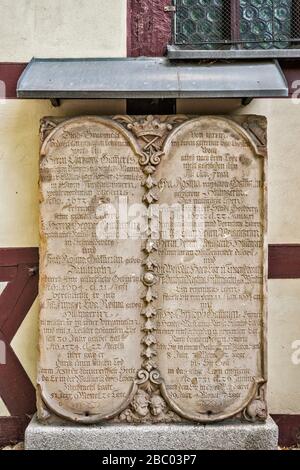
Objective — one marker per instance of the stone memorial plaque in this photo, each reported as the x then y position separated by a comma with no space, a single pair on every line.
153,269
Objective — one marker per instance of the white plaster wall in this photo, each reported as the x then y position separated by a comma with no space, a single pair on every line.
62,28
284,346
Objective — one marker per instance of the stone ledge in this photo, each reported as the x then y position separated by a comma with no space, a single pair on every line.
221,436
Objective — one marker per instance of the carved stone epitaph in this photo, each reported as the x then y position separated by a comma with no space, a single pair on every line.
163,319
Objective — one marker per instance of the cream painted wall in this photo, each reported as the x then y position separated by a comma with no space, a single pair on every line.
25,342
62,28
284,167
3,410
19,147
284,346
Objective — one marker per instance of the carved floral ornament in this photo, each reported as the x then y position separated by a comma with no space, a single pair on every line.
149,401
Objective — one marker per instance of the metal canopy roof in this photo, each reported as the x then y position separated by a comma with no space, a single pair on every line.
150,78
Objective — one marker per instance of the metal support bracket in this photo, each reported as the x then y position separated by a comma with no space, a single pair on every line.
56,102
246,101
170,8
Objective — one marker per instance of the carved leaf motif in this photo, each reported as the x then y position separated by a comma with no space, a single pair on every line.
150,182
149,312
147,232
149,325
149,169
148,386
149,365
149,339
150,263
150,246
150,197
150,295
149,352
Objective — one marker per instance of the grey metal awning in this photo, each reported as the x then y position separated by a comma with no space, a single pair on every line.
150,78
192,53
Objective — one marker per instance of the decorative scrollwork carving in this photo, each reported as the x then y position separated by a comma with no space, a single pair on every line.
151,132
257,410
47,125
257,129
148,404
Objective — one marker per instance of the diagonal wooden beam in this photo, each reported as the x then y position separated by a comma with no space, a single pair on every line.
8,273
16,389
17,299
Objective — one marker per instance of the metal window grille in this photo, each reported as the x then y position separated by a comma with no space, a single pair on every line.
244,24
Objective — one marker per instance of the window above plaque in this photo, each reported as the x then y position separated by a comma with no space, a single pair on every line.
235,28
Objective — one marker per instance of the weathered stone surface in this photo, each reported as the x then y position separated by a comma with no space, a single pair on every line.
211,299
89,288
230,436
164,319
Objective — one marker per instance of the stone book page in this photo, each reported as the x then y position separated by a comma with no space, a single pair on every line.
153,269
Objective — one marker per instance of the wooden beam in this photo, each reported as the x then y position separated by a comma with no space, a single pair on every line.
12,429
20,268
16,389
15,256
149,27
284,261
235,20
9,74
289,429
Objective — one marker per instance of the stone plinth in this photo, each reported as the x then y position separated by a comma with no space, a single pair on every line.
229,436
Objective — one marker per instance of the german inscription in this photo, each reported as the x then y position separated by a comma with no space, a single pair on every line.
153,269
90,287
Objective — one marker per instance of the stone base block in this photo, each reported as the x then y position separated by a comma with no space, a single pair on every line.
221,436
